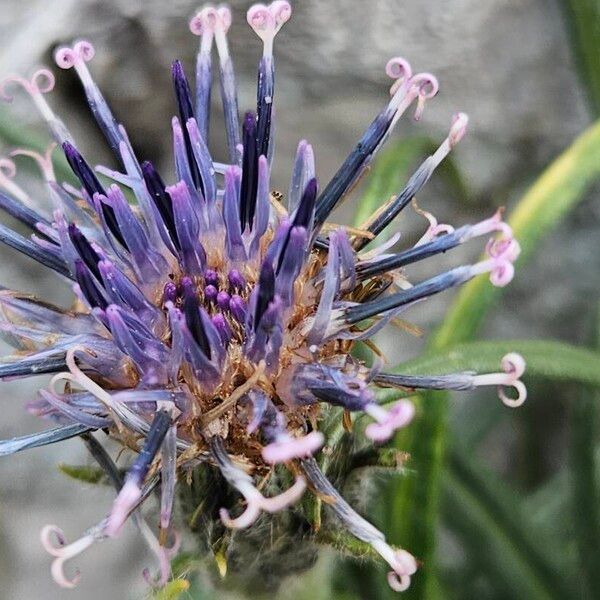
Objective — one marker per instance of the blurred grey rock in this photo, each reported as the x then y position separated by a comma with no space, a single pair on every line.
505,63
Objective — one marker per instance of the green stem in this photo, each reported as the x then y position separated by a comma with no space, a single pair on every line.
586,511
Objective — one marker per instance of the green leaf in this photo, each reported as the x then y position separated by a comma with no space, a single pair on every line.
173,590
545,358
498,537
586,516
87,474
415,508
583,19
547,506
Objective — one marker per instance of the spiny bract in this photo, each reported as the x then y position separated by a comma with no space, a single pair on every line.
213,323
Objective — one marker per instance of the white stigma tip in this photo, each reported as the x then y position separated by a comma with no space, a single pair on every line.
223,18
7,168
44,161
425,86
204,21
513,368
513,365
256,503
81,52
460,121
398,68
435,229
41,82
63,551
268,20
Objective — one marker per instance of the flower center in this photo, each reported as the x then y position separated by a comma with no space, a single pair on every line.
222,296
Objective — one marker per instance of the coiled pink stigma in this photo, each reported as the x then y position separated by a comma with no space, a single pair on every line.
81,52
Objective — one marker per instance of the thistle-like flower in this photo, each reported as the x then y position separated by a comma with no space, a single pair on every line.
214,321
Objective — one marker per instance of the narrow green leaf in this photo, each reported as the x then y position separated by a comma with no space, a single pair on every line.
87,474
583,20
547,506
545,358
586,496
487,517
415,509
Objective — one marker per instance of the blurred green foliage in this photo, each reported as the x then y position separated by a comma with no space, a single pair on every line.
583,20
14,135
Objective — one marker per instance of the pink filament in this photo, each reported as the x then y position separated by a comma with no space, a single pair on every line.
288,448
41,82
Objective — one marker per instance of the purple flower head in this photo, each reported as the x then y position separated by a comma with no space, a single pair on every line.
212,324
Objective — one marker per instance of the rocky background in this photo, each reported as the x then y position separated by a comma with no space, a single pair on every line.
505,62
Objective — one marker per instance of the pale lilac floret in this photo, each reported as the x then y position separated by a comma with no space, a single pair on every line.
127,498
287,447
513,366
8,170
402,562
388,421
40,83
203,24
255,501
63,551
303,171
434,230
43,161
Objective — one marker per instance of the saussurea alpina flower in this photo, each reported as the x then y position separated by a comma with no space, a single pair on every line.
213,323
